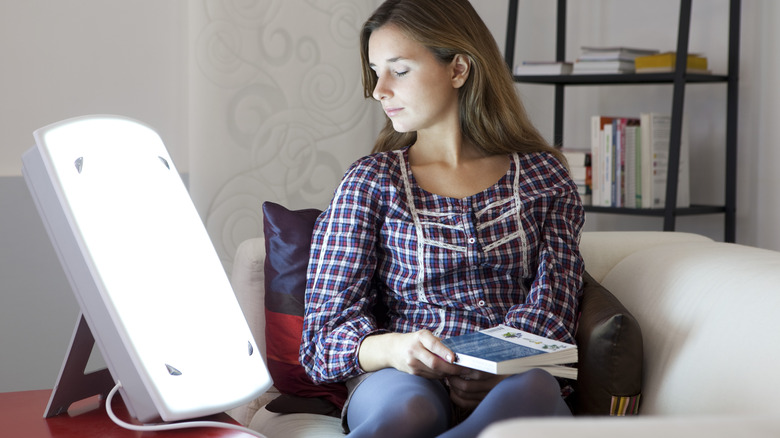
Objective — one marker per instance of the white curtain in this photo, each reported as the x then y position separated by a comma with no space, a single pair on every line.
276,109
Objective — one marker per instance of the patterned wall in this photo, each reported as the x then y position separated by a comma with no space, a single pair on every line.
276,108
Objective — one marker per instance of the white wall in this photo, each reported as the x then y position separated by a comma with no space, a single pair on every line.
61,59
65,59
276,108
261,101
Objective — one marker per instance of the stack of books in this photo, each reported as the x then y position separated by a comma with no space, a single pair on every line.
665,63
630,161
581,172
605,60
528,68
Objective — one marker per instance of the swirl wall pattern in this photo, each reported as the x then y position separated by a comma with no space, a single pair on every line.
276,110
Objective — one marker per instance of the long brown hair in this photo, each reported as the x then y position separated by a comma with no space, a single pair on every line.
491,113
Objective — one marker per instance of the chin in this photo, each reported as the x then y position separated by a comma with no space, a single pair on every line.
400,128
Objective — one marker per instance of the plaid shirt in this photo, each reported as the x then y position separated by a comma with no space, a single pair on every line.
509,254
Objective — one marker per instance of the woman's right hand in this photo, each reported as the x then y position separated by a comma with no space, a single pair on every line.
419,353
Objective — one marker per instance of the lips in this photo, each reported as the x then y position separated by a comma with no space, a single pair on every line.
391,112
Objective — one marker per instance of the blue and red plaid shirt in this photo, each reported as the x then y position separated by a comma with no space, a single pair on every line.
509,254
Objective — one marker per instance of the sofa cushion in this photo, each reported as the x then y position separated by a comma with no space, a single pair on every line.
609,342
287,243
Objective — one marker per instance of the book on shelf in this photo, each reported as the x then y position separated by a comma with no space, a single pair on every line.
601,67
543,68
595,60
656,133
581,172
506,350
600,160
593,53
665,62
629,158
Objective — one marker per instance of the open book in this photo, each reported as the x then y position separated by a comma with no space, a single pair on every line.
506,350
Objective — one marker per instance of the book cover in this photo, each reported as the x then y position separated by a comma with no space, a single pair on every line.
665,62
506,350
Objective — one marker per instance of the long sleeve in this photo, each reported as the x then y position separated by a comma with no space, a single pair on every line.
551,305
339,297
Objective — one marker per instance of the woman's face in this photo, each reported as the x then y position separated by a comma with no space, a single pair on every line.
416,90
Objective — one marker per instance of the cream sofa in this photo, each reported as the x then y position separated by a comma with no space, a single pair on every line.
710,319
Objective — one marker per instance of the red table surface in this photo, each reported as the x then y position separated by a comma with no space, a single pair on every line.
21,415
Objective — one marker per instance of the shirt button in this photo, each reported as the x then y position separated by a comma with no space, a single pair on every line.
472,240
481,303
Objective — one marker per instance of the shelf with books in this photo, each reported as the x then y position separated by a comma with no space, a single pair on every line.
678,78
619,78
629,161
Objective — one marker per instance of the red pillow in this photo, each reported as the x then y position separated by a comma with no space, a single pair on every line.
287,243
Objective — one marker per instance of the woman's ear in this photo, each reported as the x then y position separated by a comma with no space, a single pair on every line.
461,68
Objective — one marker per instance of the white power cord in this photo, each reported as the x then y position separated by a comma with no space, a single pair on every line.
170,426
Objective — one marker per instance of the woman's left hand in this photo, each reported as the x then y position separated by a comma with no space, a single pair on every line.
471,386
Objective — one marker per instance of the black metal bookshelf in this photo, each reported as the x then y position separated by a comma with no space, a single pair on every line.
678,80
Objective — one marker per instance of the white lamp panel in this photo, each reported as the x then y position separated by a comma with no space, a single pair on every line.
154,276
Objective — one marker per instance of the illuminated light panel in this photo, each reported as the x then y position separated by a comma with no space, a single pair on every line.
149,283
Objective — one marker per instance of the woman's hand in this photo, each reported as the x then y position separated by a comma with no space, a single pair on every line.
469,387
419,353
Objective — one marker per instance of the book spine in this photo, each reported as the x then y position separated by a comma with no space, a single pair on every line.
595,156
630,166
609,166
647,160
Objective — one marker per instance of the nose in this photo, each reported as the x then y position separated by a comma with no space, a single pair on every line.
381,90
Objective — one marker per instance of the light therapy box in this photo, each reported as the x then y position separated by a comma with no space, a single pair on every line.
152,291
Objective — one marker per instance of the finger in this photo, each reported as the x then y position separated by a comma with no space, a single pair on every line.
436,346
439,357
422,362
437,365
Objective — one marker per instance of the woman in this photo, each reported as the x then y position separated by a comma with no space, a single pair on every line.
464,218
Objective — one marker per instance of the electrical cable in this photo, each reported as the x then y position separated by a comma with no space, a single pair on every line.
170,426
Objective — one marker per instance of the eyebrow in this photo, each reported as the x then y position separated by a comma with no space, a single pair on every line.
394,59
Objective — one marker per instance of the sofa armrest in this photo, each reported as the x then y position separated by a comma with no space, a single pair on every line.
248,281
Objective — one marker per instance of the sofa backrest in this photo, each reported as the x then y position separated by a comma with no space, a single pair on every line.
602,250
710,319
